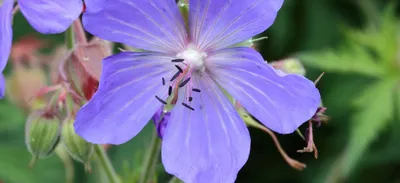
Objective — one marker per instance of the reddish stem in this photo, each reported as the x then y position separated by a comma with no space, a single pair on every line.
16,9
80,32
292,162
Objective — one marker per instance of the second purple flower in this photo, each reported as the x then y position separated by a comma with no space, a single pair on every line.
47,17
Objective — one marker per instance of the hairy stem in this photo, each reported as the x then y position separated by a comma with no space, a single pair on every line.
105,163
68,164
79,32
16,9
70,37
151,159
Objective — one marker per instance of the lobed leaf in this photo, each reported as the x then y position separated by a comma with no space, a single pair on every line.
349,59
376,104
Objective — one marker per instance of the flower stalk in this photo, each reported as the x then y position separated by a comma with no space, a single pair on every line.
151,159
16,9
292,162
79,32
70,37
105,163
68,164
103,160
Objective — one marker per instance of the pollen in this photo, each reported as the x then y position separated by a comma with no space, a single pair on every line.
193,57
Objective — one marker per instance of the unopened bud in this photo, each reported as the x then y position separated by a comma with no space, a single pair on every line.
77,147
290,66
160,120
42,133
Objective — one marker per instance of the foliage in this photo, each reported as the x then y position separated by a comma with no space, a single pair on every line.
371,53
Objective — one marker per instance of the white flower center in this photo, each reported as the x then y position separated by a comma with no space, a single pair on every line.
194,58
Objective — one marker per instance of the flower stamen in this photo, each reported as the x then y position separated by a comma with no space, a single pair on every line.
193,57
170,90
183,83
179,68
178,76
178,60
175,76
196,90
163,81
161,100
187,106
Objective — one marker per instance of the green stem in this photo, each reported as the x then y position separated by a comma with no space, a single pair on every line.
68,164
174,180
79,32
16,9
151,160
70,37
105,163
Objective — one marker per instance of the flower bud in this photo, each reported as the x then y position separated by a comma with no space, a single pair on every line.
42,133
77,147
160,120
290,66
90,56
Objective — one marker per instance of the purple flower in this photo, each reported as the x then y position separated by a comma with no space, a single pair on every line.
6,8
94,6
47,17
205,139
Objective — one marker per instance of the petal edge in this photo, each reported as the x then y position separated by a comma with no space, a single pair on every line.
51,17
125,100
210,144
282,102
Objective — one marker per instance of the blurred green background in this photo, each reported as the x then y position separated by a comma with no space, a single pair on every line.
355,42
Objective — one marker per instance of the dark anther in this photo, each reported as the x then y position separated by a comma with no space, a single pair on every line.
163,81
184,82
170,90
190,99
196,90
175,76
178,60
161,100
179,68
187,106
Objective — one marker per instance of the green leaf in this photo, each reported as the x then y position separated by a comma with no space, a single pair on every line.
370,52
14,166
376,104
382,38
349,59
